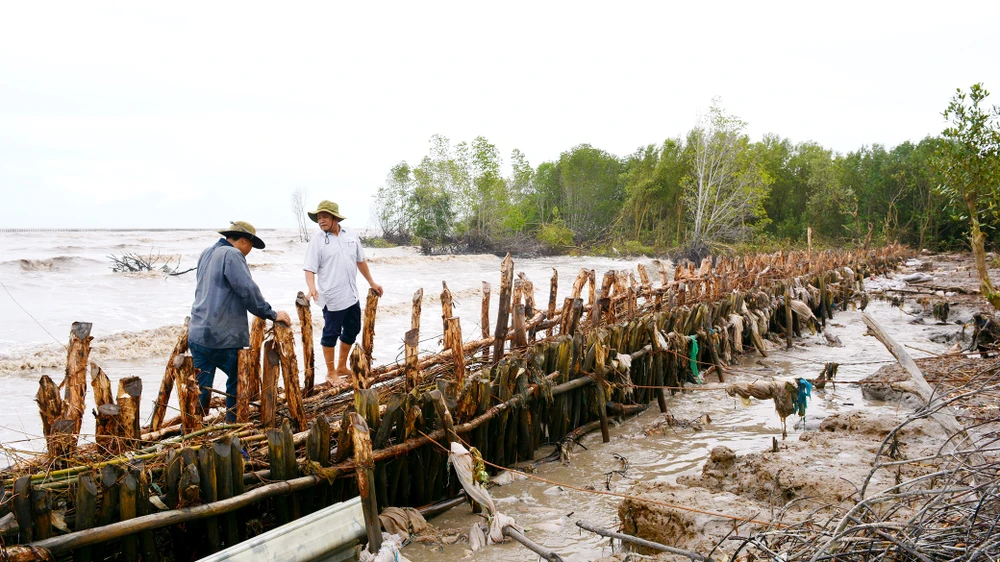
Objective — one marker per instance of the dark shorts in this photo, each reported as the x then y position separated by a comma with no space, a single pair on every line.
344,324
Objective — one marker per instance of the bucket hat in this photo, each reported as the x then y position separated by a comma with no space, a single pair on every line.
326,206
243,227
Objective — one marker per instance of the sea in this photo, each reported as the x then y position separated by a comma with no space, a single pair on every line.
53,278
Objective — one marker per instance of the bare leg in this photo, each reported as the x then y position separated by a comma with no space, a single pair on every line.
328,356
345,351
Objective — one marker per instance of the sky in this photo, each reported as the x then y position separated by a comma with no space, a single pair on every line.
193,114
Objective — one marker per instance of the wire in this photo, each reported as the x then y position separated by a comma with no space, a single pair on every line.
32,317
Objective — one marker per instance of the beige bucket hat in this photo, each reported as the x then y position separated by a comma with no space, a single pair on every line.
326,206
243,227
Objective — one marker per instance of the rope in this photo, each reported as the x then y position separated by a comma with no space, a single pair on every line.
32,317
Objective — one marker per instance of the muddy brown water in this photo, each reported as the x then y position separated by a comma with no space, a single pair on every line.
657,452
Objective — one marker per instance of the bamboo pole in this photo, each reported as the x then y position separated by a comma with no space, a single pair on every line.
101,385
290,374
520,335
365,464
169,376
269,385
308,351
22,509
147,543
368,330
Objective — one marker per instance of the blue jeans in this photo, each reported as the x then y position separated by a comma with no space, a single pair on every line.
206,360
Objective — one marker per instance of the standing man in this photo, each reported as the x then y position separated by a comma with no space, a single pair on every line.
332,264
223,296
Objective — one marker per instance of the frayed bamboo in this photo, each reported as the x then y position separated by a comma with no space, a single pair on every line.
129,398
503,314
365,464
75,382
368,326
187,396
308,352
290,375
269,385
257,329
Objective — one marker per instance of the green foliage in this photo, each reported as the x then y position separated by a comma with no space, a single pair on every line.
555,235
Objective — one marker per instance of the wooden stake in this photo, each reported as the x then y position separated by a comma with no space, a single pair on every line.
485,318
368,327
127,492
129,397
243,394
418,298
76,376
360,369
520,336
257,330
503,315
169,376
413,375
446,312
50,408
308,351
102,385
269,386
454,335
366,479
86,512
553,288
209,494
223,453
187,395
290,374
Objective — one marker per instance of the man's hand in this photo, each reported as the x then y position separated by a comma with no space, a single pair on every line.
377,288
283,317
314,294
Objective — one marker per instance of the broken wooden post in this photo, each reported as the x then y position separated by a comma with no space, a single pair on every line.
413,376
503,315
244,396
553,288
169,376
222,450
269,385
308,352
520,335
444,416
257,329
188,394
361,372
446,312
368,326
365,463
418,298
788,317
50,408
147,543
86,512
76,378
209,493
22,509
290,375
129,397
318,451
454,335
127,492
485,319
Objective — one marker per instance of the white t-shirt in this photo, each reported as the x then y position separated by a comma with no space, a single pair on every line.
334,259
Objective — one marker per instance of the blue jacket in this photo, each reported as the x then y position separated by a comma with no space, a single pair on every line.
224,294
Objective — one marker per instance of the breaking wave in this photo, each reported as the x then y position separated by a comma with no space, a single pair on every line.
57,263
123,346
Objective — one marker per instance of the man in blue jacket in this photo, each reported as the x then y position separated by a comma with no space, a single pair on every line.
224,294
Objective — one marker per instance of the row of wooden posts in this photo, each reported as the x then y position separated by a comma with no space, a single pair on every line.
566,371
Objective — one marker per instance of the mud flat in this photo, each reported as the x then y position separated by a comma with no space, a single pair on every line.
885,476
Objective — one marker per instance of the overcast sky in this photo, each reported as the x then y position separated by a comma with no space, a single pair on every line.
192,114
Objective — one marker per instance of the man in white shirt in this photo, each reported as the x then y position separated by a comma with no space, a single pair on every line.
333,260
